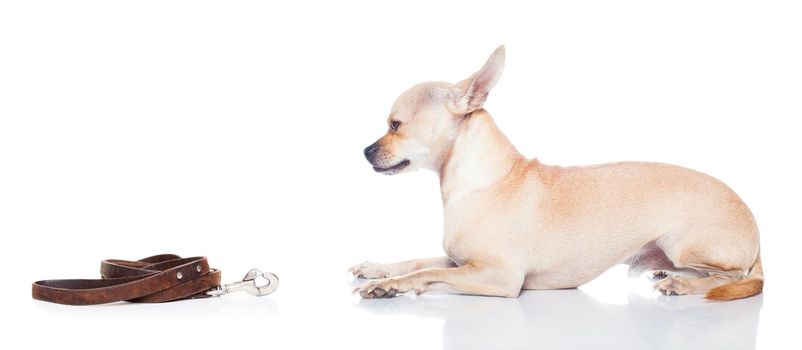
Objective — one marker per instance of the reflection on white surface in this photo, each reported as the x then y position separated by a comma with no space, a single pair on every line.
571,319
237,306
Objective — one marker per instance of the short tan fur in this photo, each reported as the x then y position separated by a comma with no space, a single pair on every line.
513,223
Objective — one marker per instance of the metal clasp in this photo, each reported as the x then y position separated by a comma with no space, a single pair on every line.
255,282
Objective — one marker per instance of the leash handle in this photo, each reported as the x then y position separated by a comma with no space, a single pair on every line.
154,279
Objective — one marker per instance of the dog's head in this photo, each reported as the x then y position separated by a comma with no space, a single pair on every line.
425,120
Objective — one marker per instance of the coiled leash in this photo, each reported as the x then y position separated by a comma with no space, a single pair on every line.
154,279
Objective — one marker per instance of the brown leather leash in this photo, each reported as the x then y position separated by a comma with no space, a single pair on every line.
154,279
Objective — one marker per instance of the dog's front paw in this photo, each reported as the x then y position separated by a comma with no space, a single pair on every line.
384,288
369,270
673,285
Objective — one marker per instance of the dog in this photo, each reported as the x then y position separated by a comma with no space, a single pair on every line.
512,223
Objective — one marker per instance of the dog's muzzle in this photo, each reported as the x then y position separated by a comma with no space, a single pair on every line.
373,152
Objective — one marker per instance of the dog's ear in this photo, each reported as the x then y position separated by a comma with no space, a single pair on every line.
471,93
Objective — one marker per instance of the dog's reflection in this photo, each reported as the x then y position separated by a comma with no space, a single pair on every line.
571,319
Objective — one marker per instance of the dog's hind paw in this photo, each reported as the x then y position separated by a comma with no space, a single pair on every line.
673,285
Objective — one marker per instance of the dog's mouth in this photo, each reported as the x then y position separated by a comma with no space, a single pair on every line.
393,169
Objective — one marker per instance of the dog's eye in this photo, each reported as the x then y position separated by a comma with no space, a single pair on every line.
394,125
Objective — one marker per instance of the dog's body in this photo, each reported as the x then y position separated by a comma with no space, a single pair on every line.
513,223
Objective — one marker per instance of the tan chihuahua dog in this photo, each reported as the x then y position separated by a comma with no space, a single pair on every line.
513,223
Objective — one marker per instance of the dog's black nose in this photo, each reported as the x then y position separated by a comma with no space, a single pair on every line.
371,149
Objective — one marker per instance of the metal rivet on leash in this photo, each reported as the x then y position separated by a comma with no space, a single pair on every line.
255,282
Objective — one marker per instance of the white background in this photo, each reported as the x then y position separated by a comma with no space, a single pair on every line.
235,130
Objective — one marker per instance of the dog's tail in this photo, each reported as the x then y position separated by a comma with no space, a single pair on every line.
752,285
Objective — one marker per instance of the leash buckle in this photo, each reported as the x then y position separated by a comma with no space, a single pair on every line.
255,282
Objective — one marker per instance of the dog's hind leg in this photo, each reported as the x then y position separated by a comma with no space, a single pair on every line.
475,279
726,273
676,285
721,241
372,270
724,248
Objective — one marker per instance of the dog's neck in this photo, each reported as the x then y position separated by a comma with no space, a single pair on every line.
479,157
